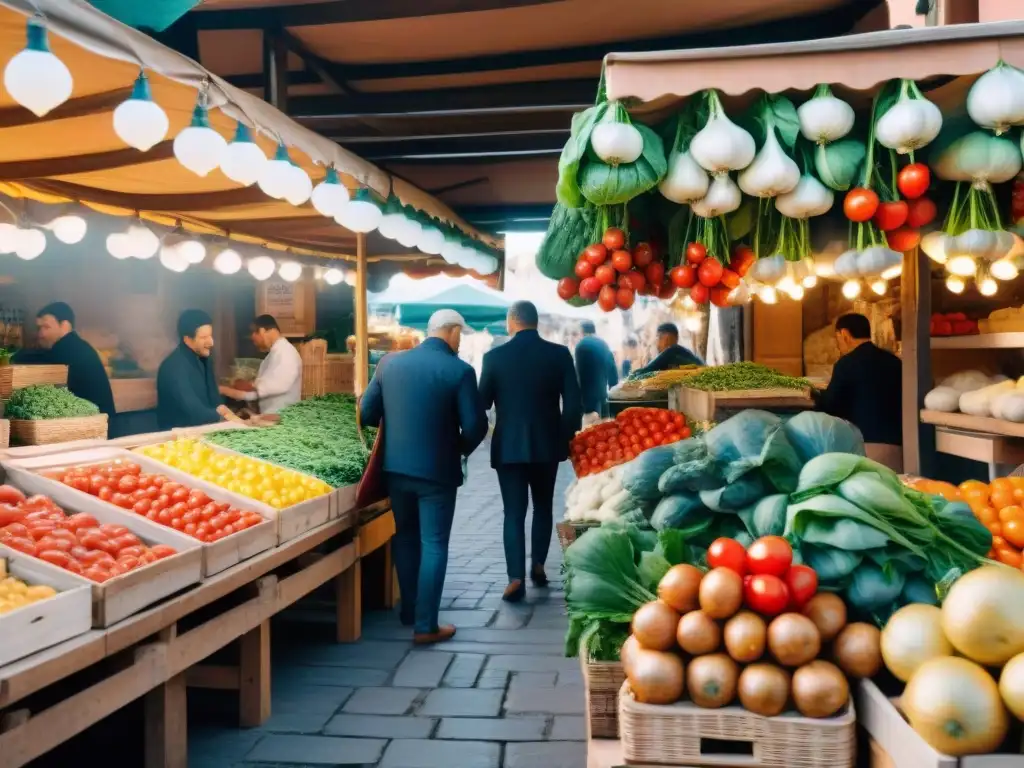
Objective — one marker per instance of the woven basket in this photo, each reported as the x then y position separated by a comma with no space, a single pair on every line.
314,368
47,431
340,374
14,377
569,532
602,681
685,734
5,433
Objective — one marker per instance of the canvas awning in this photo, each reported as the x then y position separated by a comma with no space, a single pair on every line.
479,308
74,154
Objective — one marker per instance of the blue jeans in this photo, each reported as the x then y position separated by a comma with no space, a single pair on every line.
423,524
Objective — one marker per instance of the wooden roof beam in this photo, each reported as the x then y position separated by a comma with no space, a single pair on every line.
507,143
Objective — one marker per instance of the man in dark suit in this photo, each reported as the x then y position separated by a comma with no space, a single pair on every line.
671,354
432,417
532,384
595,366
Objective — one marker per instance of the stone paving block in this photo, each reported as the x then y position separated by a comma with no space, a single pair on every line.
552,637
225,744
511,616
493,678
462,702
365,655
463,671
532,663
295,722
534,679
317,750
551,701
466,618
381,727
501,649
569,728
422,669
414,753
350,677
550,754
307,699
465,603
571,677
381,701
493,729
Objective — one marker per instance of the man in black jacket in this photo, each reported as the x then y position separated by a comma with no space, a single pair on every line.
671,354
532,384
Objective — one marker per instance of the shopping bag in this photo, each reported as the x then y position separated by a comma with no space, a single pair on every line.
372,485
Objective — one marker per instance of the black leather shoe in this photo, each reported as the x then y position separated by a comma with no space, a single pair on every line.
538,577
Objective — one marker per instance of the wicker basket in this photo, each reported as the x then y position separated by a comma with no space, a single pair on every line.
340,375
602,681
569,532
14,377
5,433
314,368
47,431
685,734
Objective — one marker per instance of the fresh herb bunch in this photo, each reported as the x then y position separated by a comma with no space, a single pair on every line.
734,376
316,436
45,401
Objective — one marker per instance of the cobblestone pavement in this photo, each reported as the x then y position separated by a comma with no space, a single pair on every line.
500,695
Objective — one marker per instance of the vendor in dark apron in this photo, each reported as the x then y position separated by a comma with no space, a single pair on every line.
866,389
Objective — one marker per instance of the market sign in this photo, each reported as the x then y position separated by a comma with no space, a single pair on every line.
156,16
293,305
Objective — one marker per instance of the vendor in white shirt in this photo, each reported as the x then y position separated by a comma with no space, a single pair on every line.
279,381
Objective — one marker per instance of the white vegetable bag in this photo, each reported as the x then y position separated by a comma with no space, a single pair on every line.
721,145
686,181
723,197
979,402
772,173
911,123
1009,406
965,381
824,118
996,100
809,198
945,399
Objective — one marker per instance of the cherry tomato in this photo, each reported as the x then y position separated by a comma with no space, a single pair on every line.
622,261
766,594
9,515
15,529
614,238
913,181
568,287
625,297
727,553
605,274
634,280
683,276
162,551
113,530
802,583
860,204
696,253
891,215
607,298
719,295
589,288
730,279
643,255
700,293
180,494
595,253
655,273
710,272
97,574
55,557
770,555
903,239
584,269
22,544
921,212
128,483
81,520
105,493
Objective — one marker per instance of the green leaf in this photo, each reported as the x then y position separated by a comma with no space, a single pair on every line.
838,164
832,565
567,191
785,118
741,221
652,567
673,547
823,473
828,506
871,589
768,516
841,533
604,184
604,581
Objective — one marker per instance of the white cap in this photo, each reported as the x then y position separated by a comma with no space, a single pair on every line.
443,318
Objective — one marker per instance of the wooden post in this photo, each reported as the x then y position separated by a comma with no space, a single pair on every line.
915,311
254,680
166,728
362,361
348,599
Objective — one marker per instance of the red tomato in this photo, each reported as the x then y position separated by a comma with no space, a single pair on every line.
79,521
743,258
614,238
97,574
710,272
584,269
589,288
15,529
903,239
720,295
625,297
668,290
727,553
180,494
607,298
605,274
770,555
55,556
655,273
22,544
128,483
142,507
683,276
921,212
766,594
643,255
113,530
596,254
622,260
568,287
730,279
890,216
106,493
860,204
696,253
802,582
10,495
913,181
700,293
9,514
634,280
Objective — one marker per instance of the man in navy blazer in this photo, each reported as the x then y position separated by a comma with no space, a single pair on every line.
432,416
532,384
595,366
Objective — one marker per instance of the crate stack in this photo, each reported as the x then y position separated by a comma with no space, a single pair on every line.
43,431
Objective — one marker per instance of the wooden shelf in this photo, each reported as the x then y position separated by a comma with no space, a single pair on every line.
981,424
980,341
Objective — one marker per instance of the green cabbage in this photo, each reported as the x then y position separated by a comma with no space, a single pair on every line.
812,433
604,184
839,162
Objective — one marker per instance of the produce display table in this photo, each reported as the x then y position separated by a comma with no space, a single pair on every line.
648,401
701,405
995,442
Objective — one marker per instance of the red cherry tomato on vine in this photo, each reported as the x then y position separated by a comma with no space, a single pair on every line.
596,254
766,594
568,287
710,272
634,280
890,216
700,293
655,273
668,290
802,582
622,261
727,553
860,204
607,298
913,181
614,238
920,212
584,269
643,254
625,297
903,239
770,555
720,296
605,274
696,253
683,276
589,288
730,279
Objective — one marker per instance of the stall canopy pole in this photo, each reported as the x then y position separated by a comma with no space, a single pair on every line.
362,361
915,310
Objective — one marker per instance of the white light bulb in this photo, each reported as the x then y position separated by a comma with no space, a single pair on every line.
119,246
450,251
275,177
768,295
851,289
139,121
333,276
243,160
1004,270
290,271
9,237
143,241
31,243
955,284
35,78
261,267
488,265
409,233
879,287
198,147
810,281
988,287
786,284
361,214
893,272
68,229
300,186
227,262
390,225
350,278
796,292
431,240
330,195
193,251
962,266
172,258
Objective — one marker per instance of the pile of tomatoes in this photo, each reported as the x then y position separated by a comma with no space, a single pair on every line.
900,219
707,278
77,543
161,500
622,439
772,584
613,275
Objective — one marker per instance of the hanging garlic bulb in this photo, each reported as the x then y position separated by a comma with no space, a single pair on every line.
685,181
721,145
809,198
824,118
935,245
845,266
877,259
996,100
769,269
723,197
772,172
988,287
911,123
614,140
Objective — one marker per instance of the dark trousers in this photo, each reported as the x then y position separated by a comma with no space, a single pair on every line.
518,483
423,524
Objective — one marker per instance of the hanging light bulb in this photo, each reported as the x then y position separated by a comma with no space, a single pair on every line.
31,243
243,160
392,218
740,294
300,186
809,281
1004,269
172,258
193,251
431,239
362,214
119,246
987,286
452,247
275,176
261,267
962,266
893,272
68,229
410,230
350,278
333,276
9,237
198,147
796,293
35,78
330,195
786,284
290,271
955,284
851,289
692,323
879,287
143,241
768,294
139,121
488,265
227,262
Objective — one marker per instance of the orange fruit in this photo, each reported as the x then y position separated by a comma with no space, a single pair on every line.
1012,512
1002,497
998,542
1017,482
1013,532
1000,484
996,529
1011,557
988,515
975,495
968,485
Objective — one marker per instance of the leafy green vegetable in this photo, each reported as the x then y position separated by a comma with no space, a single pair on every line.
737,495
823,473
838,163
754,439
570,230
641,475
732,376
871,589
603,184
567,190
603,581
45,401
832,565
812,433
767,517
683,512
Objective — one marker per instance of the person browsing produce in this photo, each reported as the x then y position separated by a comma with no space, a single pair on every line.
61,345
186,386
866,389
279,381
671,354
595,368
532,384
427,404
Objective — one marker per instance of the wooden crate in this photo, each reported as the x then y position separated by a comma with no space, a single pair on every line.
14,377
685,734
32,628
5,433
314,368
50,431
602,681
340,374
701,405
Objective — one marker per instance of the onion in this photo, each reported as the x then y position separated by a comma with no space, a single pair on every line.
809,198
820,689
858,650
616,143
910,123
764,689
825,118
996,100
698,633
1011,685
745,637
721,145
654,626
772,173
711,680
680,586
793,639
627,652
685,181
723,197
983,614
721,593
656,677
912,636
828,612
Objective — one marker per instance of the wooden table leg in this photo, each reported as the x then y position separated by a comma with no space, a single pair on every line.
348,598
254,679
166,729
